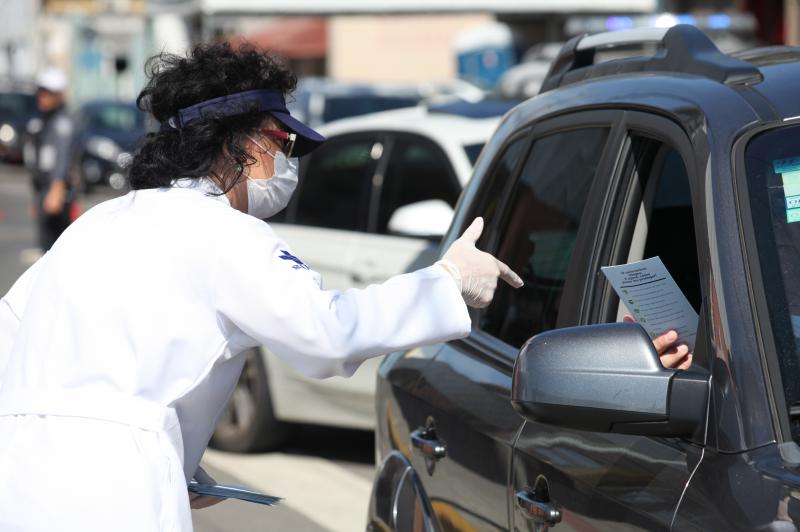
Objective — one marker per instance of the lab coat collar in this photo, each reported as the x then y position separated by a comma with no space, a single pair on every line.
201,184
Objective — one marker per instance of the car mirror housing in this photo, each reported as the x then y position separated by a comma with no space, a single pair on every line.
428,218
607,378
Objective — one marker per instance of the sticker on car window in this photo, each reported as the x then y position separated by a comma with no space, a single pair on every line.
789,170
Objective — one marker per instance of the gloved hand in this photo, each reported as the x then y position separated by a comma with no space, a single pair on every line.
475,271
197,501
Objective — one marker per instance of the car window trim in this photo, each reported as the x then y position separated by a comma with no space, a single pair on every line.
376,183
763,327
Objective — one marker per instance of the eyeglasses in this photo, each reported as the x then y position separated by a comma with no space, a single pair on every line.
288,139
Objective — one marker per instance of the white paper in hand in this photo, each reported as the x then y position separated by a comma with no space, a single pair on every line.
653,298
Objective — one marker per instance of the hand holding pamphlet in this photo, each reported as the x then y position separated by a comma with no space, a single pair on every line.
653,298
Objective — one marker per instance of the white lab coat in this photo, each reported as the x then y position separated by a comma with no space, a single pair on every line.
120,350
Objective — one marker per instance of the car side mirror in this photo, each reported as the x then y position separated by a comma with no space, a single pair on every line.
607,378
429,218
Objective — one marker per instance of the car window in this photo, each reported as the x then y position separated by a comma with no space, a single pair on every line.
473,150
17,104
538,231
656,220
336,183
772,161
490,196
418,170
670,227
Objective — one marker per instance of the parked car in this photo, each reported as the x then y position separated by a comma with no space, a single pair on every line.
108,131
373,202
17,108
553,413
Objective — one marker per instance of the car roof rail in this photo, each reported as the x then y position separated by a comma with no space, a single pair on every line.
682,48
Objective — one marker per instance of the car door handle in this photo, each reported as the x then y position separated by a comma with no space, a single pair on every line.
540,512
425,442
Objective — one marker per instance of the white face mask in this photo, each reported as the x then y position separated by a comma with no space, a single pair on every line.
268,197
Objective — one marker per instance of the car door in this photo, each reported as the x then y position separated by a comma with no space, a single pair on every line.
415,170
601,481
467,386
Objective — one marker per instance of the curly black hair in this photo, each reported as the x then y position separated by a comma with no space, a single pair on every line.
175,82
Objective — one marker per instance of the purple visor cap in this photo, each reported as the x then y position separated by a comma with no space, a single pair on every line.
307,139
266,100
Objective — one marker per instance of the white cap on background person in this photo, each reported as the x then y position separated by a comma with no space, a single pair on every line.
52,79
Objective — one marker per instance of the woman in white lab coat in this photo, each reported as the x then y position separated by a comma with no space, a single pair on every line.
120,347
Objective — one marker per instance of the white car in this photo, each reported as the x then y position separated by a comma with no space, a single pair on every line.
372,202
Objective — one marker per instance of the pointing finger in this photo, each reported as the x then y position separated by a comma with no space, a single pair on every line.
508,275
473,232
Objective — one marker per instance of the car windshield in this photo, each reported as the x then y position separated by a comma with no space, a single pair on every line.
17,104
772,163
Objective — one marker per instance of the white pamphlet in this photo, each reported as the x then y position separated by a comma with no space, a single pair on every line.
653,299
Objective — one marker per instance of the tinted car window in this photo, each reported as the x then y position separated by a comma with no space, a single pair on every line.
491,194
538,231
418,170
772,161
473,150
17,104
336,183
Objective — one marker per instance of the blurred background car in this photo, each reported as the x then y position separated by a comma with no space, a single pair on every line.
108,131
321,100
17,108
373,202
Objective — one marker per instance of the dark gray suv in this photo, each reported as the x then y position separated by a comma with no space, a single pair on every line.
553,413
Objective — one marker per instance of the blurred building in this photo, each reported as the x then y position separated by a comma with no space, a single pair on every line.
421,40
100,44
18,40
103,44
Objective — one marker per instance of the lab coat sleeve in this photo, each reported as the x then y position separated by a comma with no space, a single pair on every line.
12,305
276,300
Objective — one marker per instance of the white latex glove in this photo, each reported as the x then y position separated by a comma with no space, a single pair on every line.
197,501
474,271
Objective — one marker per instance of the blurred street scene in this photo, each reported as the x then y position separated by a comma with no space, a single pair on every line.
408,93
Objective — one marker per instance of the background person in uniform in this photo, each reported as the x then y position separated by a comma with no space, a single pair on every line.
120,347
48,154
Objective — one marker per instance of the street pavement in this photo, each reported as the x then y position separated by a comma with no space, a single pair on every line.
324,475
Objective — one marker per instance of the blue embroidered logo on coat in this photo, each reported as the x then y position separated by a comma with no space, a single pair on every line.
288,256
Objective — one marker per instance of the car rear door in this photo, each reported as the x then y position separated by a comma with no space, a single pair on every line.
467,413
599,481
